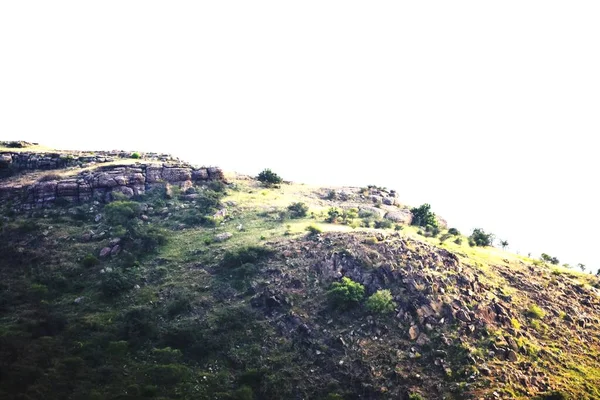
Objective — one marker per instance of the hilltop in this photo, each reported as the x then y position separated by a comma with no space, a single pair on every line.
131,275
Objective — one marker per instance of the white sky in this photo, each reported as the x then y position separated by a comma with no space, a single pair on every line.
487,110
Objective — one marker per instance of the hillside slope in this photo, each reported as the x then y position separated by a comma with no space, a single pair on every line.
199,285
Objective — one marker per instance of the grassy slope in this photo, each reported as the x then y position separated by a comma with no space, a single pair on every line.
106,346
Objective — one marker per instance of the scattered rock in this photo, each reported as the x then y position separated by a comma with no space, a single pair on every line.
115,250
105,252
413,332
221,237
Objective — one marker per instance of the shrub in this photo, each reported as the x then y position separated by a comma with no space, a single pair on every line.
138,323
535,312
166,355
298,210
115,283
554,395
49,177
313,230
121,212
422,216
268,177
89,261
383,224
453,231
480,238
552,260
515,323
169,374
381,302
146,239
458,240
415,396
333,215
245,255
135,155
346,293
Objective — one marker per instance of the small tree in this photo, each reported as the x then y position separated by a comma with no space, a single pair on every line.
269,178
581,267
481,238
333,215
547,258
381,302
504,244
422,216
346,293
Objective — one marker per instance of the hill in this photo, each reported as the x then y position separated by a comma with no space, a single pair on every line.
126,275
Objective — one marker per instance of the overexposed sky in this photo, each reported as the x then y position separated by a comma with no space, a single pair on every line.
490,111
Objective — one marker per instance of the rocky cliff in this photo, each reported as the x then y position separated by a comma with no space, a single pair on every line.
96,183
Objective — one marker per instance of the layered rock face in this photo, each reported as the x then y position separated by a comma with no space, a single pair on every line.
13,162
101,183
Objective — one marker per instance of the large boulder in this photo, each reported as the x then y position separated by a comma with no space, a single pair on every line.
400,216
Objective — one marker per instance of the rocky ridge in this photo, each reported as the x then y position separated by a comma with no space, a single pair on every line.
97,183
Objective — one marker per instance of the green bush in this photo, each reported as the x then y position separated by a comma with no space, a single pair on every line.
415,396
89,261
552,260
122,212
245,255
381,302
383,224
268,178
480,238
298,210
114,283
145,239
346,293
333,215
169,374
453,231
313,230
554,395
458,240
535,312
422,216
135,155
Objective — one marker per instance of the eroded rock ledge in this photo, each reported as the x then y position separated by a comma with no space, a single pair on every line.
14,162
100,184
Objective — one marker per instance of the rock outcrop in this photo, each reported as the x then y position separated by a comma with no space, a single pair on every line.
100,184
14,162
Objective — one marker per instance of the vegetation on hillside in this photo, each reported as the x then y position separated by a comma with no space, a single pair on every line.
249,290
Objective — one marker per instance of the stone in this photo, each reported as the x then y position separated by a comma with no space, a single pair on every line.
422,339
78,300
511,356
400,216
463,316
105,252
413,332
124,190
176,174
98,218
114,242
115,250
221,237
484,370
